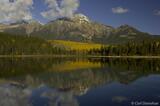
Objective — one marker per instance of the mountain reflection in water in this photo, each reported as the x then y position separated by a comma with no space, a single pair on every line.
77,82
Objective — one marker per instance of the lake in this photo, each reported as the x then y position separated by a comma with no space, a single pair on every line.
79,82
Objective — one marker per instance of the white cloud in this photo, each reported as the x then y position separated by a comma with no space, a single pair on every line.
66,8
119,10
157,12
15,10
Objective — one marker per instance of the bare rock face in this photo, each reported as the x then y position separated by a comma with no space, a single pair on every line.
31,27
80,18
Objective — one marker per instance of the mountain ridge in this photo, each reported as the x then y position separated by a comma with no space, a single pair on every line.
78,28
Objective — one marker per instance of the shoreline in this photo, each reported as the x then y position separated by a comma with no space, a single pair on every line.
73,56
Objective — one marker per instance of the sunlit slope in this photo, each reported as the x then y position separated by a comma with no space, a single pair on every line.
75,45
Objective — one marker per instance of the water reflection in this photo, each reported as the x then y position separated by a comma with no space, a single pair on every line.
14,96
62,98
74,81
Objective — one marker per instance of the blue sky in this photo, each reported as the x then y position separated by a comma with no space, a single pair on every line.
142,14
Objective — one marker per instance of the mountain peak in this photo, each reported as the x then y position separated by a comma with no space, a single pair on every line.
77,18
60,19
21,22
125,26
128,28
81,18
24,22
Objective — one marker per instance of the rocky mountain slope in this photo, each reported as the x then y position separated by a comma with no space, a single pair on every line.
79,28
22,27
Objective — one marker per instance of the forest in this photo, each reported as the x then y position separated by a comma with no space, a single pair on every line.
26,45
132,48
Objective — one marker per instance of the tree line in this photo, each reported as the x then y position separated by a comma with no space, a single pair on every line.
132,48
24,45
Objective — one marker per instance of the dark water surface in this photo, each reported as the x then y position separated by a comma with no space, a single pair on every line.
79,82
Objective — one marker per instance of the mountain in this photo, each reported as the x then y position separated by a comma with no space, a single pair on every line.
78,28
22,27
127,33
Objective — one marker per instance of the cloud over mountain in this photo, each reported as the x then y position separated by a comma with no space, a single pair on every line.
15,10
64,8
119,10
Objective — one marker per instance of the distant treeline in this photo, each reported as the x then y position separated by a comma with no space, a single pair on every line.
145,48
24,45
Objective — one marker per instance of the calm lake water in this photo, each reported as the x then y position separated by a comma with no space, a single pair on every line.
79,82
